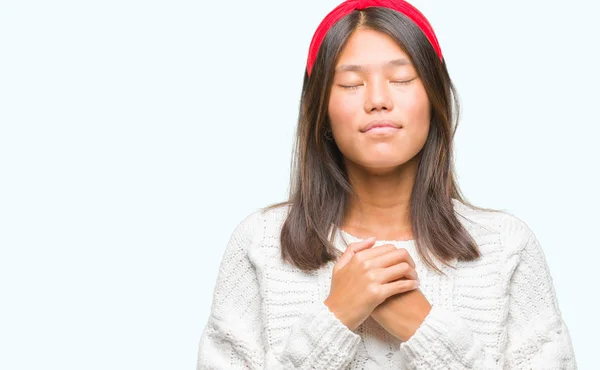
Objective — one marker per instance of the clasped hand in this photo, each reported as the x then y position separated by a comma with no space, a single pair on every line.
370,281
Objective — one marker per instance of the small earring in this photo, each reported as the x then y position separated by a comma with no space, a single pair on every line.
328,135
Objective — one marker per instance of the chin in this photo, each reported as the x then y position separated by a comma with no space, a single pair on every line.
382,167
379,163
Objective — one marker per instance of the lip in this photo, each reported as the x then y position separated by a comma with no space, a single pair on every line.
380,124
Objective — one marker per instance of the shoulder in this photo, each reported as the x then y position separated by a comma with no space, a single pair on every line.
259,225
512,233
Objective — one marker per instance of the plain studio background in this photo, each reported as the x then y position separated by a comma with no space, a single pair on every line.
135,136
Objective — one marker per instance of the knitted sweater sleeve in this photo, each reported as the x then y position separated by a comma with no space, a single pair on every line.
234,336
537,337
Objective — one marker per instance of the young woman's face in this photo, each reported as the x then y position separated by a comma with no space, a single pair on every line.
375,84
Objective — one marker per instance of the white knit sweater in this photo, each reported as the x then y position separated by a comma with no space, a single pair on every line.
497,312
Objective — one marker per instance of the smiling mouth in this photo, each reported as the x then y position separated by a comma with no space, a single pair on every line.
382,131
381,126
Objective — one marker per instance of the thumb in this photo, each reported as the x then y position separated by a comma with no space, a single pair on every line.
351,250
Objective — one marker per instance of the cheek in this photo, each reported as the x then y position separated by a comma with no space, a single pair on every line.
342,109
415,106
416,115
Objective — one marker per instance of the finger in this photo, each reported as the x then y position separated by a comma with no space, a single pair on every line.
393,257
376,252
399,286
362,245
351,251
409,258
400,271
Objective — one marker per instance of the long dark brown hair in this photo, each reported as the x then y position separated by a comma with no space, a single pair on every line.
319,186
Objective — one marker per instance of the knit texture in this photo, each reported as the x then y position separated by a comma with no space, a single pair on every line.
498,312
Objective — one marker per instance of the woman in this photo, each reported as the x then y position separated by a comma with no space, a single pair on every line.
376,261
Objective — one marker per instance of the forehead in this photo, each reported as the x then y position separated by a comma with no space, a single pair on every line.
369,47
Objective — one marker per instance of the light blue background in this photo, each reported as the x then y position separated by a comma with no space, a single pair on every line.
135,135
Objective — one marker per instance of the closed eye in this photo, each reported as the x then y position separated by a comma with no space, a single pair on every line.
406,82
399,82
350,86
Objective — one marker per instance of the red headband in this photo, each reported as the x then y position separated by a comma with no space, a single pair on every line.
349,6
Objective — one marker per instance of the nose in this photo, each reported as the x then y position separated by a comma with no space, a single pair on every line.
378,96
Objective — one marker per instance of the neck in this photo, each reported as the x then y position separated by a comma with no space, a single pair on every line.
381,207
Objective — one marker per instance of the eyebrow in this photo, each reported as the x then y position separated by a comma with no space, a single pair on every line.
359,68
